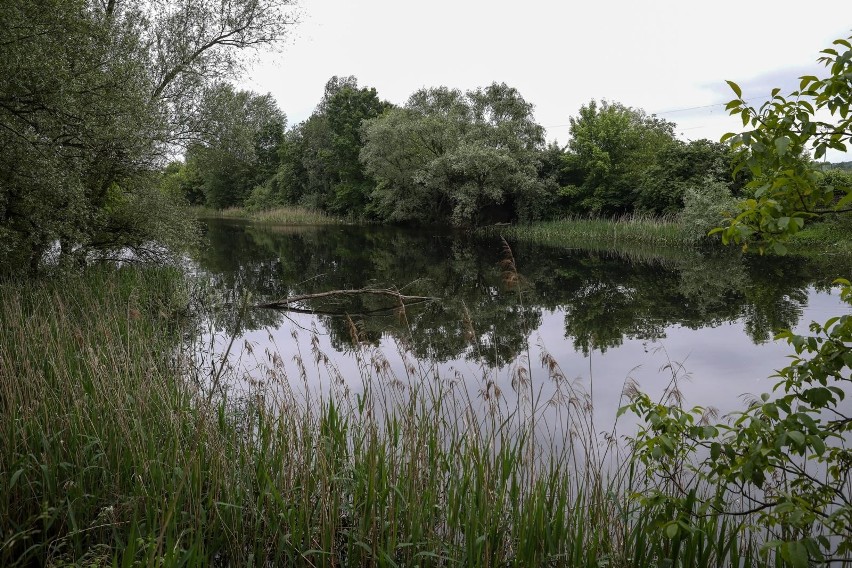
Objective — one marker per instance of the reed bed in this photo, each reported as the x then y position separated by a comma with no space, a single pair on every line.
121,446
290,215
632,229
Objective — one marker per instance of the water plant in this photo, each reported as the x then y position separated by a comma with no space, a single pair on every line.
124,447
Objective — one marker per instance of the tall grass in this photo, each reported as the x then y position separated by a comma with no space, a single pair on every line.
633,230
290,215
118,448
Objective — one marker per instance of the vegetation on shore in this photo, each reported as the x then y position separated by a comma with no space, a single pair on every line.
278,215
644,230
832,235
122,444
400,470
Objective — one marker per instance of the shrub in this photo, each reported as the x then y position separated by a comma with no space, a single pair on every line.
705,207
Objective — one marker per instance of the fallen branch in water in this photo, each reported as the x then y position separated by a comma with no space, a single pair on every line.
286,302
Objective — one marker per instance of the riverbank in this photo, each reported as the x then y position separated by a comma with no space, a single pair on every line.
831,235
598,231
290,215
120,450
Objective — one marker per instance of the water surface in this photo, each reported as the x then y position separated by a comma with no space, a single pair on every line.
605,316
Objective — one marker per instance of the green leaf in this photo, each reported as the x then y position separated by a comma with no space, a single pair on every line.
798,554
817,444
672,529
797,437
14,478
735,88
781,145
779,249
715,451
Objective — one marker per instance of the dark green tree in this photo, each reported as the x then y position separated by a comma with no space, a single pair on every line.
680,166
94,97
319,158
238,149
611,150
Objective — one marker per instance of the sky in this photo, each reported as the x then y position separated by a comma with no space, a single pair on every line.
669,58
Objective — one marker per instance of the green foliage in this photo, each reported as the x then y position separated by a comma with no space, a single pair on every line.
682,166
786,187
239,146
182,181
95,94
611,149
465,159
706,204
786,456
319,164
111,456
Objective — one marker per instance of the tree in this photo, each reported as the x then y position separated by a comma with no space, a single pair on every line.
612,147
346,108
320,164
238,149
786,457
94,97
786,189
466,158
681,166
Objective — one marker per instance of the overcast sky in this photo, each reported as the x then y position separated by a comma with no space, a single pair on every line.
661,56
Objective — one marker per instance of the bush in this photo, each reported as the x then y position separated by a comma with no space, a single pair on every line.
705,207
262,198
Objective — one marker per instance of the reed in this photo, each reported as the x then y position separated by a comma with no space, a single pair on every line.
290,215
122,446
627,230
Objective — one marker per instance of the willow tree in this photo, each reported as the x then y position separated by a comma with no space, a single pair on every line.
463,158
94,96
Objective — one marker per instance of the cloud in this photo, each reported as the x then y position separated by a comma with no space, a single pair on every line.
758,88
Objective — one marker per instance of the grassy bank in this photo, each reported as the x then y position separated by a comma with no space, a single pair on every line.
279,216
634,230
117,451
831,235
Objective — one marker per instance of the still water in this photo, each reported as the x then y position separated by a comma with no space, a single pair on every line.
604,316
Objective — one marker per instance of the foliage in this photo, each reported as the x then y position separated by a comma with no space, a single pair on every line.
95,95
465,159
684,166
786,189
706,204
610,150
183,182
786,456
238,148
112,456
319,158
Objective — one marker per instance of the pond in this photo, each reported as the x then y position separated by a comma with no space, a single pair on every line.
601,318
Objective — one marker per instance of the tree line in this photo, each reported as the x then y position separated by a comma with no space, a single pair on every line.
98,97
445,156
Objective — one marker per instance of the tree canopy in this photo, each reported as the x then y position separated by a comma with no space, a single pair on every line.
611,148
786,189
238,148
466,158
94,97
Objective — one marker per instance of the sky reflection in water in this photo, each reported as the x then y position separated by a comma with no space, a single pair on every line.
603,315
